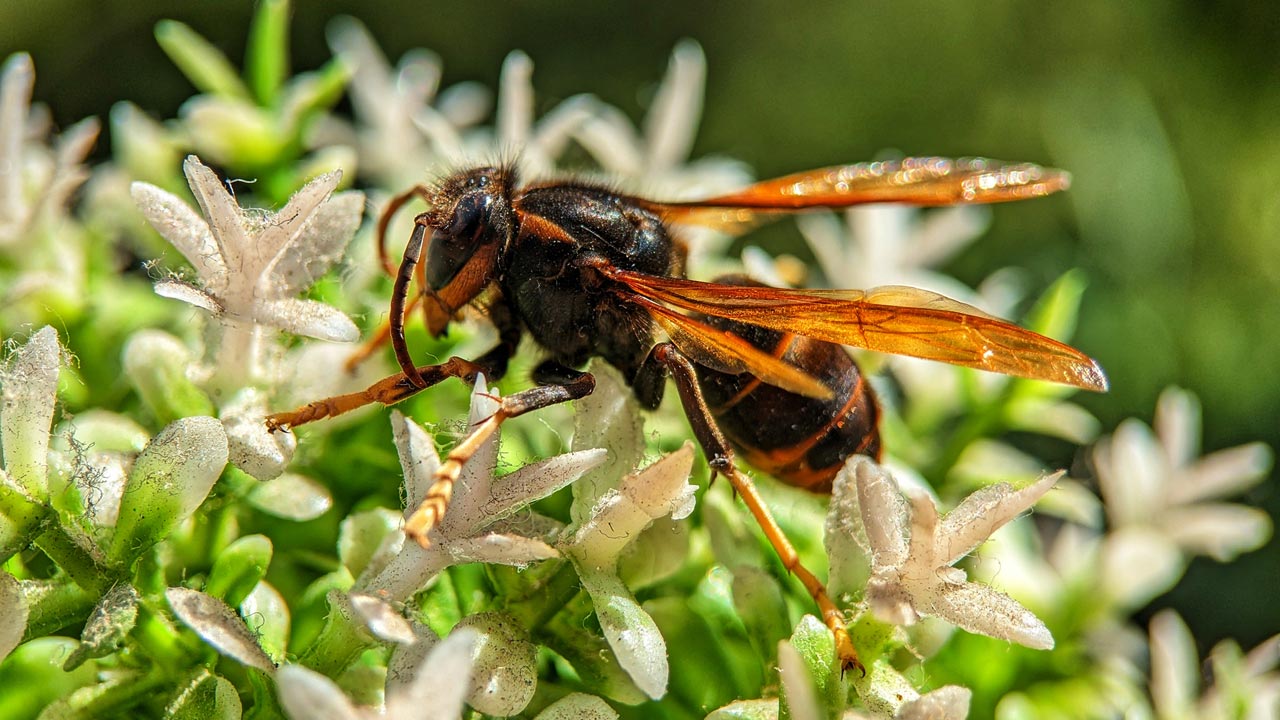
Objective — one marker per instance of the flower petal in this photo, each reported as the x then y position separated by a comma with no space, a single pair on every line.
251,447
382,620
884,512
292,497
578,706
282,230
538,480
983,512
505,675
185,230
308,695
189,294
797,686
28,389
225,220
318,246
1175,666
1139,563
844,535
16,83
672,120
949,702
607,418
219,625
1219,530
630,631
1222,474
515,101
440,683
499,548
980,609
308,318
1177,425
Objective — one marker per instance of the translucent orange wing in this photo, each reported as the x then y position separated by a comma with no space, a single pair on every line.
915,181
893,319
728,353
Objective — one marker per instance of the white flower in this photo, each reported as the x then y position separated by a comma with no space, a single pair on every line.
479,525
913,551
618,519
252,265
434,691
36,182
1245,686
1158,495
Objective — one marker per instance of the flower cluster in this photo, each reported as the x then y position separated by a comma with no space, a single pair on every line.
162,553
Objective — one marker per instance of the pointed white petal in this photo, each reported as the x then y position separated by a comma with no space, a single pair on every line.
534,482
844,535
182,227
1131,473
178,290
381,619
13,614
672,121
226,220
1221,474
16,83
308,318
983,512
501,549
980,609
440,683
219,625
1139,563
797,686
308,695
292,497
280,232
1219,530
1177,425
418,458
317,247
515,101
949,702
885,514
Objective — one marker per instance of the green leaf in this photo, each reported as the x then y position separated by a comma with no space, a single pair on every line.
204,65
36,667
266,62
205,697
169,481
239,568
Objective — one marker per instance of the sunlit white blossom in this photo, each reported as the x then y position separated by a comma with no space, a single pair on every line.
478,526
913,551
1160,498
252,265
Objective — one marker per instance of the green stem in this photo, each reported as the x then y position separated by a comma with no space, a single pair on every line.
87,571
53,605
161,642
20,519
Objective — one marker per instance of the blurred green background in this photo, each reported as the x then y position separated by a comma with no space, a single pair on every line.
1168,114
